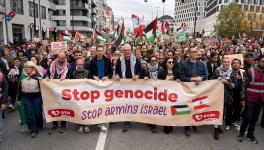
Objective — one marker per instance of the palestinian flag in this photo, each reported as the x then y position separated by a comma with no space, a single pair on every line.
150,31
65,36
112,35
98,37
136,21
180,110
138,40
121,36
200,103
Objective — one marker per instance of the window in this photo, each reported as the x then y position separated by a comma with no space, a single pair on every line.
50,13
17,6
245,7
262,9
252,8
60,12
226,1
31,9
61,22
59,2
258,9
43,12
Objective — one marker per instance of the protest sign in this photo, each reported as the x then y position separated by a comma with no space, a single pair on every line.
154,102
56,47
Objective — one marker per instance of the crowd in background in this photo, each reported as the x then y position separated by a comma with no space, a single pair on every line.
23,65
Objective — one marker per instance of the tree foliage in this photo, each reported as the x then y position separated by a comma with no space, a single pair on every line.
231,21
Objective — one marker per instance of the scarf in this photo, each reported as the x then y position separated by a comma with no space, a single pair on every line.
225,73
133,61
153,70
61,69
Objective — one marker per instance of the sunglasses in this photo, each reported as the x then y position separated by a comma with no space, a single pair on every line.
170,62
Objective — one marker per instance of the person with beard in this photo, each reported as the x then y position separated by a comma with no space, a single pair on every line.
128,67
58,70
249,60
253,90
44,61
72,66
192,70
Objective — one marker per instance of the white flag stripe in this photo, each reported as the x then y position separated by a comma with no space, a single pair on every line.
203,101
183,109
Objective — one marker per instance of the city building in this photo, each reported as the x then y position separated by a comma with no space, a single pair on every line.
73,15
21,25
253,9
101,16
109,18
185,13
2,21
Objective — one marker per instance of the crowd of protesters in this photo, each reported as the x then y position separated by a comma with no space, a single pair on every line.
22,66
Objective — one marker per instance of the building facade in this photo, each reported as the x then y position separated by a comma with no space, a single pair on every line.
73,15
185,13
2,22
253,9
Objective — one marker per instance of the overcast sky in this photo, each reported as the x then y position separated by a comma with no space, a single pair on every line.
125,8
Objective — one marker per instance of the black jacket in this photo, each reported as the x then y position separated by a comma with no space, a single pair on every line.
186,71
81,74
108,71
137,69
162,74
210,69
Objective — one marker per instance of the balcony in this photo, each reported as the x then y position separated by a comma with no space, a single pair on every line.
94,12
94,3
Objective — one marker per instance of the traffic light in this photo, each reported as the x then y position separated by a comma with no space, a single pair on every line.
10,15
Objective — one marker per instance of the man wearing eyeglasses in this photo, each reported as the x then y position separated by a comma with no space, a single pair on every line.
192,70
127,67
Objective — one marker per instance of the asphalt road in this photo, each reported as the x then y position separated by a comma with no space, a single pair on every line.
139,137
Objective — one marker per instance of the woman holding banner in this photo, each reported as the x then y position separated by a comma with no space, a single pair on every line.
168,72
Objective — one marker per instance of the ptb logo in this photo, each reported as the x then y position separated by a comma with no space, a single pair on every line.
61,113
210,115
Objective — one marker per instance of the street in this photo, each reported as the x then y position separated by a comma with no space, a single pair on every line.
139,137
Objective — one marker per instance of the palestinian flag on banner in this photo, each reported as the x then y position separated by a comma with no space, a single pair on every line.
180,110
121,36
200,103
150,31
65,36
98,37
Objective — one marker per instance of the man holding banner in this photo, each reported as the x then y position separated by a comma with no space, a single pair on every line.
128,67
192,70
101,70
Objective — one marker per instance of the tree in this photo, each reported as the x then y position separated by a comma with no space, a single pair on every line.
231,21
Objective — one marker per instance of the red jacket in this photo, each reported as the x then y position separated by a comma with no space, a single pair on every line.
255,85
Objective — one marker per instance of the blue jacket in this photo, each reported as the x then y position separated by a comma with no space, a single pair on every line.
186,72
